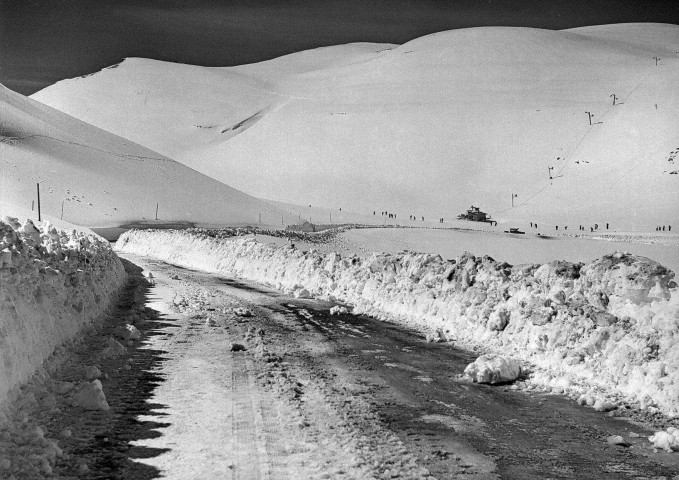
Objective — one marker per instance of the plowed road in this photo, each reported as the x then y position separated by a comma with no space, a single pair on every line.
320,396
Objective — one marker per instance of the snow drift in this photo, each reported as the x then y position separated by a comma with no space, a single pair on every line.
52,283
608,328
467,116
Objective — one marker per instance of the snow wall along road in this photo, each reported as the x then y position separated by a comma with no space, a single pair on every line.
52,283
606,330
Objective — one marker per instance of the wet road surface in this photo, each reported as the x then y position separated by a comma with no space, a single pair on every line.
458,428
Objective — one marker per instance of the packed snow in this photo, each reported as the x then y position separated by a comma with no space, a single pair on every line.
467,116
667,440
493,369
606,329
52,284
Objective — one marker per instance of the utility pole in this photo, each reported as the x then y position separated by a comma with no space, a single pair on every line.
62,210
38,186
614,98
330,217
514,195
156,210
590,115
657,59
549,171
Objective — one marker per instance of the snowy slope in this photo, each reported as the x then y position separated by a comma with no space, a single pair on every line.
425,128
103,180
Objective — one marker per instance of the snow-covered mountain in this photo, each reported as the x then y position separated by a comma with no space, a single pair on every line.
426,128
102,180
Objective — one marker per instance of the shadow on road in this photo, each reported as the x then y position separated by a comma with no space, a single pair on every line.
102,440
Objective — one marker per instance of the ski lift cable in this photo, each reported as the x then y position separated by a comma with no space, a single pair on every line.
573,151
605,114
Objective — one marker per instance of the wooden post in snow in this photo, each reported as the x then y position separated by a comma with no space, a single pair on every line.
38,186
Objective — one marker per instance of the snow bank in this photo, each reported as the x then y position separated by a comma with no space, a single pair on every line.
52,283
607,329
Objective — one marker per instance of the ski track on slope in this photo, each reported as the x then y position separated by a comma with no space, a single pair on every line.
115,154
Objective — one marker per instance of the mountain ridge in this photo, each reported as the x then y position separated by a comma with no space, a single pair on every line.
428,127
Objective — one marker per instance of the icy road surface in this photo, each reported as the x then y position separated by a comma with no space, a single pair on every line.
318,396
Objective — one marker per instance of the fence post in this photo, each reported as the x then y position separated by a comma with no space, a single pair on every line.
38,186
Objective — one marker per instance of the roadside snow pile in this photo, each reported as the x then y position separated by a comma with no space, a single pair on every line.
608,329
52,283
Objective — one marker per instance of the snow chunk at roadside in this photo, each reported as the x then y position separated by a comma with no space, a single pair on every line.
91,396
493,369
667,440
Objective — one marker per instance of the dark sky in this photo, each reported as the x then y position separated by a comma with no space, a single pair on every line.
43,41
